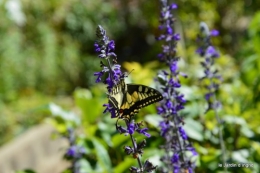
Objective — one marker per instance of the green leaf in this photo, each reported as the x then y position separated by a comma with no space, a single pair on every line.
240,156
154,155
57,111
247,132
193,129
118,139
232,119
240,121
125,165
85,166
91,107
107,138
102,155
153,119
107,129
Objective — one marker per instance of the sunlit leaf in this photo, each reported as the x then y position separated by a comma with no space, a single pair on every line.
194,129
91,107
118,139
125,165
57,111
241,156
85,166
153,119
102,155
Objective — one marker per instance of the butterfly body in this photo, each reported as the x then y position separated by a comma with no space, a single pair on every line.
128,99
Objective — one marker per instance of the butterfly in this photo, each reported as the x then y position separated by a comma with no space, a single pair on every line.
128,99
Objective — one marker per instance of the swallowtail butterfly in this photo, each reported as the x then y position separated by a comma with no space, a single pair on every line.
128,99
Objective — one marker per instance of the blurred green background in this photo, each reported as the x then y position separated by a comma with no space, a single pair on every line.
47,56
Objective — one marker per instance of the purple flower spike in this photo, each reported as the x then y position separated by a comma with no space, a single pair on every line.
209,53
211,79
176,139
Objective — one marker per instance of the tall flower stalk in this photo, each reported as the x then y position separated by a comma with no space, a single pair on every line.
178,150
211,78
111,75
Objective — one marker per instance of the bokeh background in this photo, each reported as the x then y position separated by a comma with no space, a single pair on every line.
47,61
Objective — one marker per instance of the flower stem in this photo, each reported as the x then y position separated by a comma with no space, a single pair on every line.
134,146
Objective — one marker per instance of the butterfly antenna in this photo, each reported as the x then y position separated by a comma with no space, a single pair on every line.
126,74
131,71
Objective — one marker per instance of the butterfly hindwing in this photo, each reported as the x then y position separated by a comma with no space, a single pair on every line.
129,99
